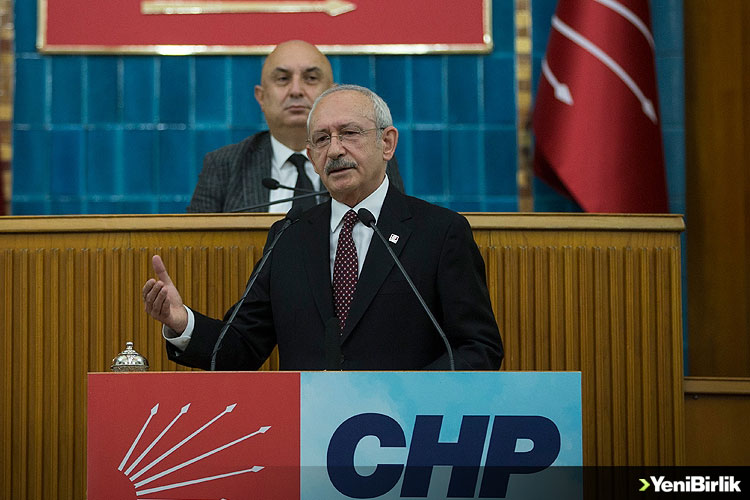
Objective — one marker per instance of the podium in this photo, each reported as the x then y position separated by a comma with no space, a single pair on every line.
330,435
598,294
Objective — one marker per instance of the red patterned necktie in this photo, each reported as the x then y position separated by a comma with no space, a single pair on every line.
345,269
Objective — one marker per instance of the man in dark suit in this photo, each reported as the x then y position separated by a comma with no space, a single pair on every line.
326,276
293,75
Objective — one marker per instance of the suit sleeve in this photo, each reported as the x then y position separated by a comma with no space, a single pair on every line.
211,190
467,317
248,341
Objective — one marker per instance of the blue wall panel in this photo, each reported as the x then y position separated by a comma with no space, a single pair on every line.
30,95
117,134
427,157
175,161
393,84
464,168
212,87
244,74
102,94
427,100
103,162
176,80
31,163
463,106
139,155
138,90
499,90
67,90
66,162
500,164
358,70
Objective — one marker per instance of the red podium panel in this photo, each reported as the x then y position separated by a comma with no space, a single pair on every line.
166,445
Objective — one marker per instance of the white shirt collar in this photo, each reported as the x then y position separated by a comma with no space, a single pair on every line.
282,153
373,203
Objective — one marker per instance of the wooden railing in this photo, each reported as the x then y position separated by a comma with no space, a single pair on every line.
592,293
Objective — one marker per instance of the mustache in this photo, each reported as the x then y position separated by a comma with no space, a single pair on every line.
297,101
339,164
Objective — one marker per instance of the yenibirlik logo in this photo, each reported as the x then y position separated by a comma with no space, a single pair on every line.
692,484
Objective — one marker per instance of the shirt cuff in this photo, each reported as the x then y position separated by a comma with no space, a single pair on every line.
180,341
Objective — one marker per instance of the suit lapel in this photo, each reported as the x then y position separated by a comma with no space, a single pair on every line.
316,252
378,262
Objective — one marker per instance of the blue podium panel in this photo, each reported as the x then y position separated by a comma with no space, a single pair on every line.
440,435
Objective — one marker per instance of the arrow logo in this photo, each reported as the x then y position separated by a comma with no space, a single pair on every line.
153,443
562,91
256,468
228,409
646,105
153,412
330,7
645,486
262,430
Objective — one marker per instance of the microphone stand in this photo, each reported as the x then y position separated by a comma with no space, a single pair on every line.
291,218
369,220
268,204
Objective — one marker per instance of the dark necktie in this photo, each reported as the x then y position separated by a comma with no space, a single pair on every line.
303,184
345,269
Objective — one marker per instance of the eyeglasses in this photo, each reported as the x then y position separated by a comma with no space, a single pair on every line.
347,137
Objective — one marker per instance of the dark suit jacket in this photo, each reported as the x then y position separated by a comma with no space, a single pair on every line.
232,176
386,329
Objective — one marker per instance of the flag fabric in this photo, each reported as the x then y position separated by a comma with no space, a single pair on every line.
596,121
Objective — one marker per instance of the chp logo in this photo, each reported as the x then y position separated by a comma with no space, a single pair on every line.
438,435
426,451
202,448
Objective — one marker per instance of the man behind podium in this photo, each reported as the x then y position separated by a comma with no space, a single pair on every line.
293,75
328,274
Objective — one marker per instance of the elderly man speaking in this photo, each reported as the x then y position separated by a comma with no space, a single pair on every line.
329,281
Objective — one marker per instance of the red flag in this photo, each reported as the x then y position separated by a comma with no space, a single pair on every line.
596,120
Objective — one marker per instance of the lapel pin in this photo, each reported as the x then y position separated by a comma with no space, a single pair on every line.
393,238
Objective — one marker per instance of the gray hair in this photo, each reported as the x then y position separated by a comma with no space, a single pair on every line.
382,113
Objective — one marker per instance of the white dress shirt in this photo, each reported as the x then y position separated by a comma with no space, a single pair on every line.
361,234
286,173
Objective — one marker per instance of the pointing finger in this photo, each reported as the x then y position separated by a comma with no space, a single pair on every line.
160,270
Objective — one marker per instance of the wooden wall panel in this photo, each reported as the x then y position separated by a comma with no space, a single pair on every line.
596,294
717,130
716,410
607,305
70,301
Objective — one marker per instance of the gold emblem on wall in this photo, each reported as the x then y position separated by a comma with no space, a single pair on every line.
330,7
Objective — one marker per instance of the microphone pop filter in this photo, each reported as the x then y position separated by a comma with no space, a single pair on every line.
270,183
366,217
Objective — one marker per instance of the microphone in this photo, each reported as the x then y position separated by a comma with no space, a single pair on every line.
271,183
291,217
369,220
269,203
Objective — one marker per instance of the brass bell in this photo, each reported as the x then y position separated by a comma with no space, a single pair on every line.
129,361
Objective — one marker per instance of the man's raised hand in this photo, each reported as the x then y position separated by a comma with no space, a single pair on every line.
162,300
